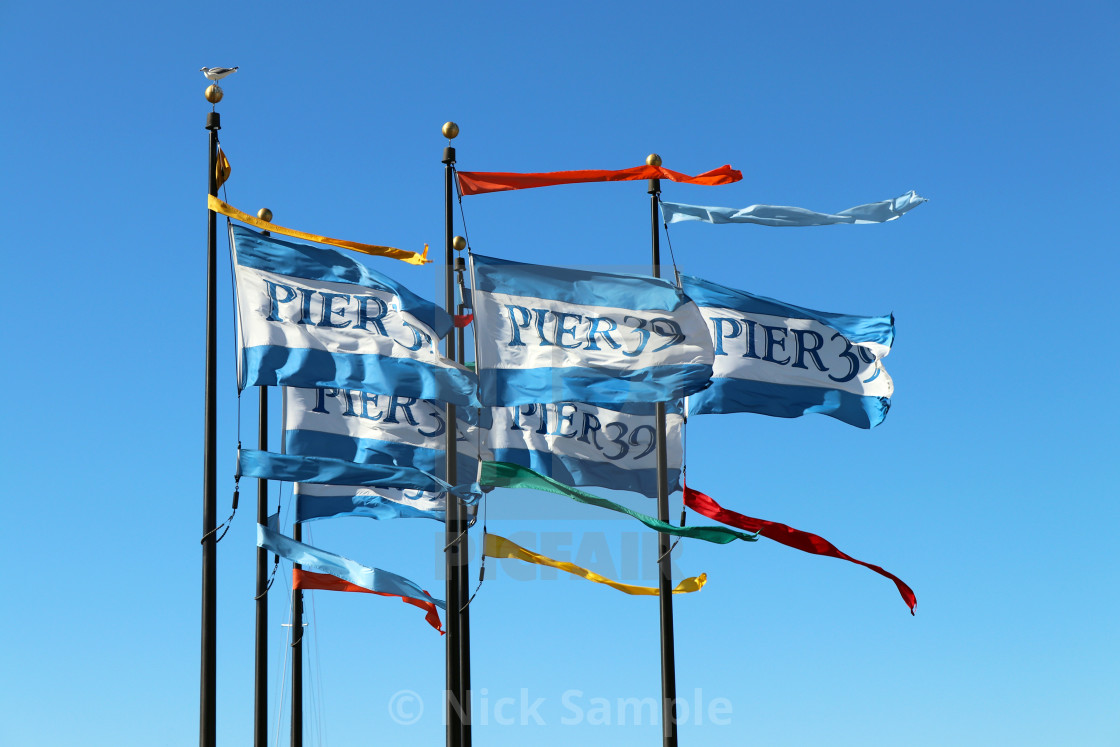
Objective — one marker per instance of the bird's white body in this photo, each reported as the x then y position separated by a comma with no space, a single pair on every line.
217,73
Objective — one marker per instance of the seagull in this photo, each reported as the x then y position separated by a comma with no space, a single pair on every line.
217,73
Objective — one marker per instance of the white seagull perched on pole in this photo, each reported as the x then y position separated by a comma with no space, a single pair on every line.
217,73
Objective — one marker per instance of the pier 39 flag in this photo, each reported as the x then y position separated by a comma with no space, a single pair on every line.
583,445
312,317
554,334
777,359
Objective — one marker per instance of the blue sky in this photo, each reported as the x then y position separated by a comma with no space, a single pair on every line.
990,488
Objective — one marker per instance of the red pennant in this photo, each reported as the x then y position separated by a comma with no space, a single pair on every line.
302,579
462,320
480,182
786,535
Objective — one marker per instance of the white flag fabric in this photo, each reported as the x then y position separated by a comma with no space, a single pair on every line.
550,334
314,317
782,360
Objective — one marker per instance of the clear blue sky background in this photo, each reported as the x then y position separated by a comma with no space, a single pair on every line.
991,488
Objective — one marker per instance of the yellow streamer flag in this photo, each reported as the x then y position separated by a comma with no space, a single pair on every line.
378,251
222,169
500,547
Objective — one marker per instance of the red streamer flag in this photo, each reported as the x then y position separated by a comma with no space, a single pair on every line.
462,320
302,579
795,538
480,182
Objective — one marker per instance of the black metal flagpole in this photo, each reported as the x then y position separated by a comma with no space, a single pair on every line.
207,730
452,527
459,244
297,652
664,565
260,673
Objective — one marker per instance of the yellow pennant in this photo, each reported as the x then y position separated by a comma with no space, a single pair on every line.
222,169
378,251
500,547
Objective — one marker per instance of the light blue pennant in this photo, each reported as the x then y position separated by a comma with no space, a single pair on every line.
781,215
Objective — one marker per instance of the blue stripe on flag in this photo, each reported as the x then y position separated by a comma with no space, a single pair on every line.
310,507
785,401
275,365
511,386
362,450
878,329
272,254
371,450
581,287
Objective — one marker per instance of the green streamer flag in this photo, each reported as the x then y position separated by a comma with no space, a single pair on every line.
506,475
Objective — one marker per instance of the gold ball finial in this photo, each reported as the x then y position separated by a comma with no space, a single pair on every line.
653,160
450,130
213,93
265,214
459,243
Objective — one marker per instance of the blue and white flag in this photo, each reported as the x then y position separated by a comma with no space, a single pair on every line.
550,334
777,359
370,428
586,446
328,501
781,215
311,317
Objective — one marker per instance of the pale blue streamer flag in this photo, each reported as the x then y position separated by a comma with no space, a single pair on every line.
329,471
320,561
780,215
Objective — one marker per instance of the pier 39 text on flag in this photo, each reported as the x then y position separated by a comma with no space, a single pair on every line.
311,317
551,334
378,428
777,359
583,445
574,443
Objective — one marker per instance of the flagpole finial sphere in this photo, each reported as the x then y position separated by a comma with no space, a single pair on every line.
450,130
459,243
265,214
213,93
653,160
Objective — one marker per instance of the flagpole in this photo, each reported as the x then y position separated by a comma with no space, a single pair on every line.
464,576
260,673
454,686
207,722
297,652
664,564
